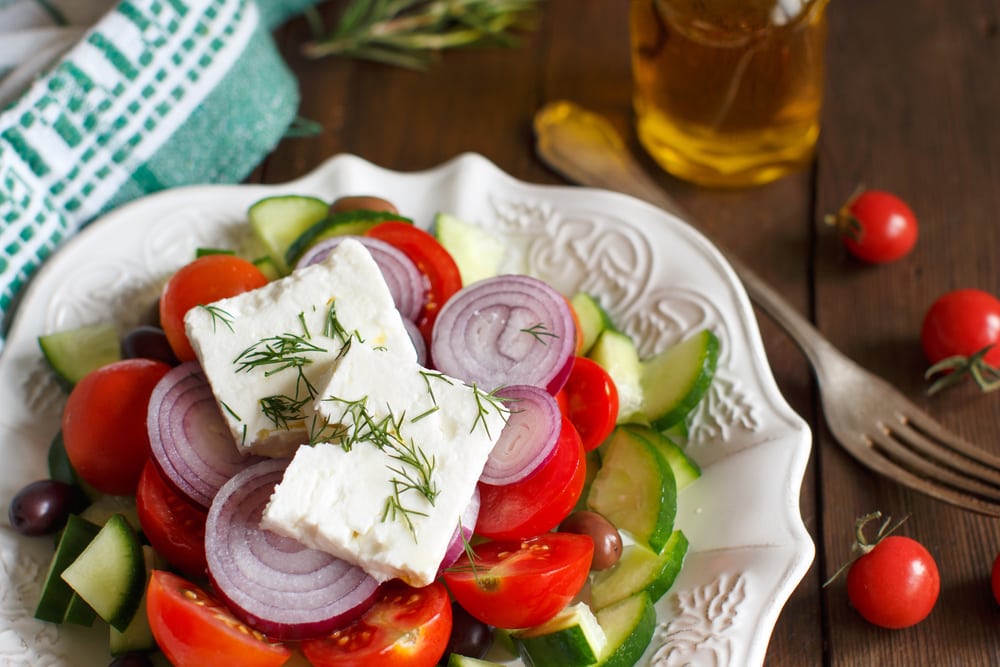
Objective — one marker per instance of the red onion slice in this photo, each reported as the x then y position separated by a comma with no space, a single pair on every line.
419,344
529,437
190,442
463,532
273,583
407,284
506,330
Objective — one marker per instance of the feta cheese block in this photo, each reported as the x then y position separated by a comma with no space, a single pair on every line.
388,495
267,351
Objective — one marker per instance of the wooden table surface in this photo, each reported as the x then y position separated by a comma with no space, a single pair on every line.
912,106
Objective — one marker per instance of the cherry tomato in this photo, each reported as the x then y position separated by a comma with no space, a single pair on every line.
876,226
961,323
539,502
896,584
521,583
173,526
406,626
433,261
591,401
104,424
995,579
193,629
206,279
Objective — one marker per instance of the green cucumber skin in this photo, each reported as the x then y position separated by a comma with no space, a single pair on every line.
676,413
338,224
56,598
277,221
616,584
667,498
630,647
686,470
549,652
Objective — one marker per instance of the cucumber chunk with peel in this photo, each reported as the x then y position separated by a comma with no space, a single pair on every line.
477,253
110,573
640,570
635,489
628,626
277,221
617,354
573,638
75,352
594,320
686,470
57,598
674,381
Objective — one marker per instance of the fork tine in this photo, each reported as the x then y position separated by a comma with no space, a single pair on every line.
889,444
945,448
933,430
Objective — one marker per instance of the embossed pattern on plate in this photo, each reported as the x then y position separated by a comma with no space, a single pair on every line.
657,277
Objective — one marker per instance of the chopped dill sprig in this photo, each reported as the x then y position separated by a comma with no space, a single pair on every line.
428,376
539,332
219,315
487,402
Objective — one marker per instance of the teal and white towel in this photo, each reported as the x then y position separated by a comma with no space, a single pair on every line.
102,102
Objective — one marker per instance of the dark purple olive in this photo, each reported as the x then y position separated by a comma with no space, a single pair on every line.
132,660
607,539
42,507
148,342
470,637
362,203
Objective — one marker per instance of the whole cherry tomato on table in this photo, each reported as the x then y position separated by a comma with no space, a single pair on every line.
895,582
960,335
876,226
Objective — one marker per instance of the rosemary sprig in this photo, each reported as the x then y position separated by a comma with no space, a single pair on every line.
407,33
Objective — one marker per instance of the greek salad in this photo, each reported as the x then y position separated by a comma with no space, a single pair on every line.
365,445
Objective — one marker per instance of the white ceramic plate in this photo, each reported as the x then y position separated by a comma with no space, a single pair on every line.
659,279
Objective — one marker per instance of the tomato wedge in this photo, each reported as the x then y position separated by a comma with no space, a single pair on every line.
173,526
539,502
433,261
521,583
193,629
591,401
406,627
200,282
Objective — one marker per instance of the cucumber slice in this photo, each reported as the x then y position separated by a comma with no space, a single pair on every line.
676,379
277,221
640,570
138,636
573,638
616,353
345,223
628,626
57,595
686,469
267,267
75,352
477,253
593,319
635,489
110,574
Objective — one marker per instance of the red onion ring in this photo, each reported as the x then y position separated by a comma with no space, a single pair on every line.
273,583
407,284
419,344
529,437
190,442
506,330
463,532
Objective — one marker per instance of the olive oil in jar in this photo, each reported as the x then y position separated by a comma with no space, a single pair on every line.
728,92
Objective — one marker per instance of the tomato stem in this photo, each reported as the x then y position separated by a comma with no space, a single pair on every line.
953,370
861,544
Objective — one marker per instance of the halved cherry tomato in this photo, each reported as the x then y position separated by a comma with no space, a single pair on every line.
193,629
173,526
433,261
406,626
521,583
591,401
104,424
206,279
537,503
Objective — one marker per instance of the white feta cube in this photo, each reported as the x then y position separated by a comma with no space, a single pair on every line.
267,352
389,494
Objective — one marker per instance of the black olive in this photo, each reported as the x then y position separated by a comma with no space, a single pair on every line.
148,342
607,539
132,660
42,507
470,637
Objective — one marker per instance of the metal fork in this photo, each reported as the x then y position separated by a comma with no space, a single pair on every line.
870,418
